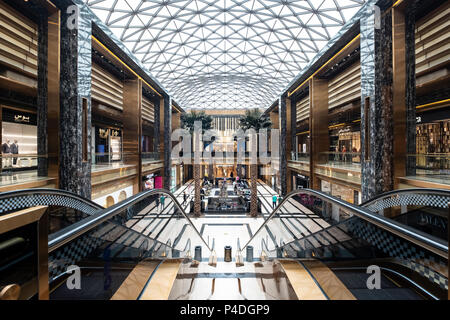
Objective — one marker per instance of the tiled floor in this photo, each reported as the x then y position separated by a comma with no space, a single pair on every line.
226,281
294,221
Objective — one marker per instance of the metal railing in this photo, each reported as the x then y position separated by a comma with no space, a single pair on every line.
417,237
72,232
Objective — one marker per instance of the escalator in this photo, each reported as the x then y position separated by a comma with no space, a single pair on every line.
349,240
106,249
312,246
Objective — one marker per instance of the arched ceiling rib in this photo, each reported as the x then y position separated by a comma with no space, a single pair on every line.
226,54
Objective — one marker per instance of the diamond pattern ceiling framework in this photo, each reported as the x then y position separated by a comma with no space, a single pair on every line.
225,54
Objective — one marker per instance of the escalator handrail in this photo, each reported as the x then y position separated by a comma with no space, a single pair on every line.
433,191
48,191
311,235
77,229
417,237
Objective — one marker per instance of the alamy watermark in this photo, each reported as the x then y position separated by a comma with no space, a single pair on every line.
252,147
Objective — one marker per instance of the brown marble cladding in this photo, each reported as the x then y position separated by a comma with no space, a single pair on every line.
75,175
42,89
156,127
254,190
167,141
410,99
282,105
197,181
384,137
376,84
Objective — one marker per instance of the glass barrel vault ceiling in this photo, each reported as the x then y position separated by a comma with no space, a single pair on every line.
226,54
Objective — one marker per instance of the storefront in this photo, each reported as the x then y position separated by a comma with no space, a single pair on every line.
300,181
342,192
346,139
107,144
152,181
19,139
433,131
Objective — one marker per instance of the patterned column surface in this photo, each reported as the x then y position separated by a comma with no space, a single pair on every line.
42,96
376,90
167,141
197,205
254,190
410,56
76,64
283,136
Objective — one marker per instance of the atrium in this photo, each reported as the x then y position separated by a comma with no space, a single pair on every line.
224,150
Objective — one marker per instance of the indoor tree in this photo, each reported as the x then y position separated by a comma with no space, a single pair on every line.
254,119
188,119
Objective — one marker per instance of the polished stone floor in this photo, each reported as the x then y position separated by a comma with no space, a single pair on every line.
235,230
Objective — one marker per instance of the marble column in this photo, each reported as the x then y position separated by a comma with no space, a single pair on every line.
75,90
167,141
376,105
410,100
156,127
197,181
42,94
254,190
282,118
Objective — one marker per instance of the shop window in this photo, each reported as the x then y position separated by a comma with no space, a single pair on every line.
122,195
109,201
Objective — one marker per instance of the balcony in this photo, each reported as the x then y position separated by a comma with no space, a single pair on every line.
299,162
427,171
342,166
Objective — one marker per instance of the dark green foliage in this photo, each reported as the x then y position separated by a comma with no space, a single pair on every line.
254,119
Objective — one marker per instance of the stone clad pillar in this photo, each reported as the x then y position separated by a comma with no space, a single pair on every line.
197,181
410,86
42,93
167,141
254,190
75,104
387,127
283,106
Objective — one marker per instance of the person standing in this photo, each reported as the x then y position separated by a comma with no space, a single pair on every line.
336,154
344,154
162,199
15,151
184,197
6,151
274,201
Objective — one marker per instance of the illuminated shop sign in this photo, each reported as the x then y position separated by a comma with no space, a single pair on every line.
104,133
21,118
10,115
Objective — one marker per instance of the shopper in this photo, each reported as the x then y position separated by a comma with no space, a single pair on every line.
344,153
15,151
274,201
336,154
162,199
6,153
157,203
184,197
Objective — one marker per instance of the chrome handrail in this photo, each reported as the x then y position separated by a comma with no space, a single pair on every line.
79,228
442,192
417,237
